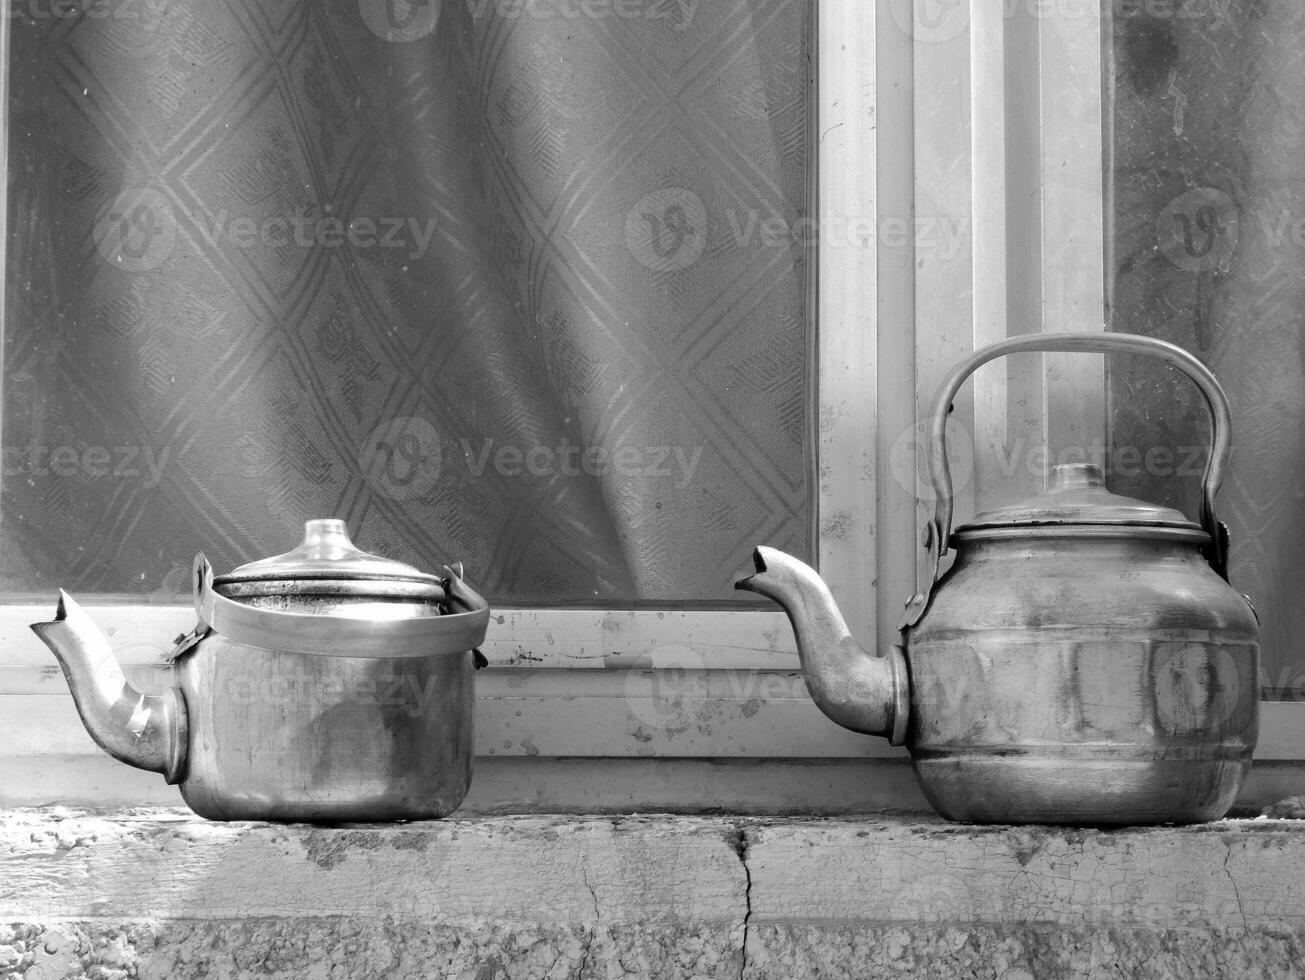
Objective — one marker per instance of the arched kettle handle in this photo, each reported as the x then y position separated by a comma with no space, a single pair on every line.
939,529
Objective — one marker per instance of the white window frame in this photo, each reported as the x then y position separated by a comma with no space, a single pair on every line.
905,129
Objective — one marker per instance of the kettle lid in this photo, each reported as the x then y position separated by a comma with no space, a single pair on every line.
327,562
1078,496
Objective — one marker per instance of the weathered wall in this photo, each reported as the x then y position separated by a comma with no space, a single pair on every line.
161,894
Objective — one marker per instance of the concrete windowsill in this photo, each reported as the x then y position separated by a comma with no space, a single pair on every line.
161,893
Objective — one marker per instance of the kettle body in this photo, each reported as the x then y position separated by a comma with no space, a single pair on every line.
1083,678
322,685
1082,660
297,736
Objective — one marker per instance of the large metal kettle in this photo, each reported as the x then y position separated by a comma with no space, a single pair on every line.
325,684
1084,658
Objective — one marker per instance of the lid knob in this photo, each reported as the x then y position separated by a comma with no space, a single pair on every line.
1076,476
326,539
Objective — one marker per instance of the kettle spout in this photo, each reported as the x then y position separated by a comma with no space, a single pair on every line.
148,731
859,691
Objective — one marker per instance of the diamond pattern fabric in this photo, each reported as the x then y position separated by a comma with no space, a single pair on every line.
486,279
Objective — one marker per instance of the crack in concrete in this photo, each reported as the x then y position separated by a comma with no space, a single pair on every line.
740,843
587,951
1237,892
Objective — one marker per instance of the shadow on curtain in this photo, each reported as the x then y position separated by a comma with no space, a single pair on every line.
489,285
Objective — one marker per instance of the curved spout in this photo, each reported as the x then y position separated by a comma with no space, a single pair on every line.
855,689
144,730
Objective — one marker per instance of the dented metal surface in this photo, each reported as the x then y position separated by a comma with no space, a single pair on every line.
1083,659
335,686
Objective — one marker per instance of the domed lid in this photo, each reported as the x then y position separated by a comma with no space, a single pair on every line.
327,563
1078,496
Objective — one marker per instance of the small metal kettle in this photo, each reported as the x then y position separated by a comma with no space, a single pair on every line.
322,685
1084,659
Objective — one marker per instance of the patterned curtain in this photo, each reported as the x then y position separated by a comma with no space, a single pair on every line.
502,282
1209,205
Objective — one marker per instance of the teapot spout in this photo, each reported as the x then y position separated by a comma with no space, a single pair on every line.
857,690
148,731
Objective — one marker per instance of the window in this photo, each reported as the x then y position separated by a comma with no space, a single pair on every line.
962,170
749,55
513,284
1123,166
1204,212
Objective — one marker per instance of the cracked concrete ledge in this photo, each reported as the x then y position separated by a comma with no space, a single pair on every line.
160,893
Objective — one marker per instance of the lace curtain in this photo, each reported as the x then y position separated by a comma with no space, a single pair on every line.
488,280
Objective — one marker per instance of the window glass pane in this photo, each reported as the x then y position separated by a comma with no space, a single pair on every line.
1207,125
522,285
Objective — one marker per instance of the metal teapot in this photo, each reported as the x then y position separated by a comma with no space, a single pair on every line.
325,684
1083,660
